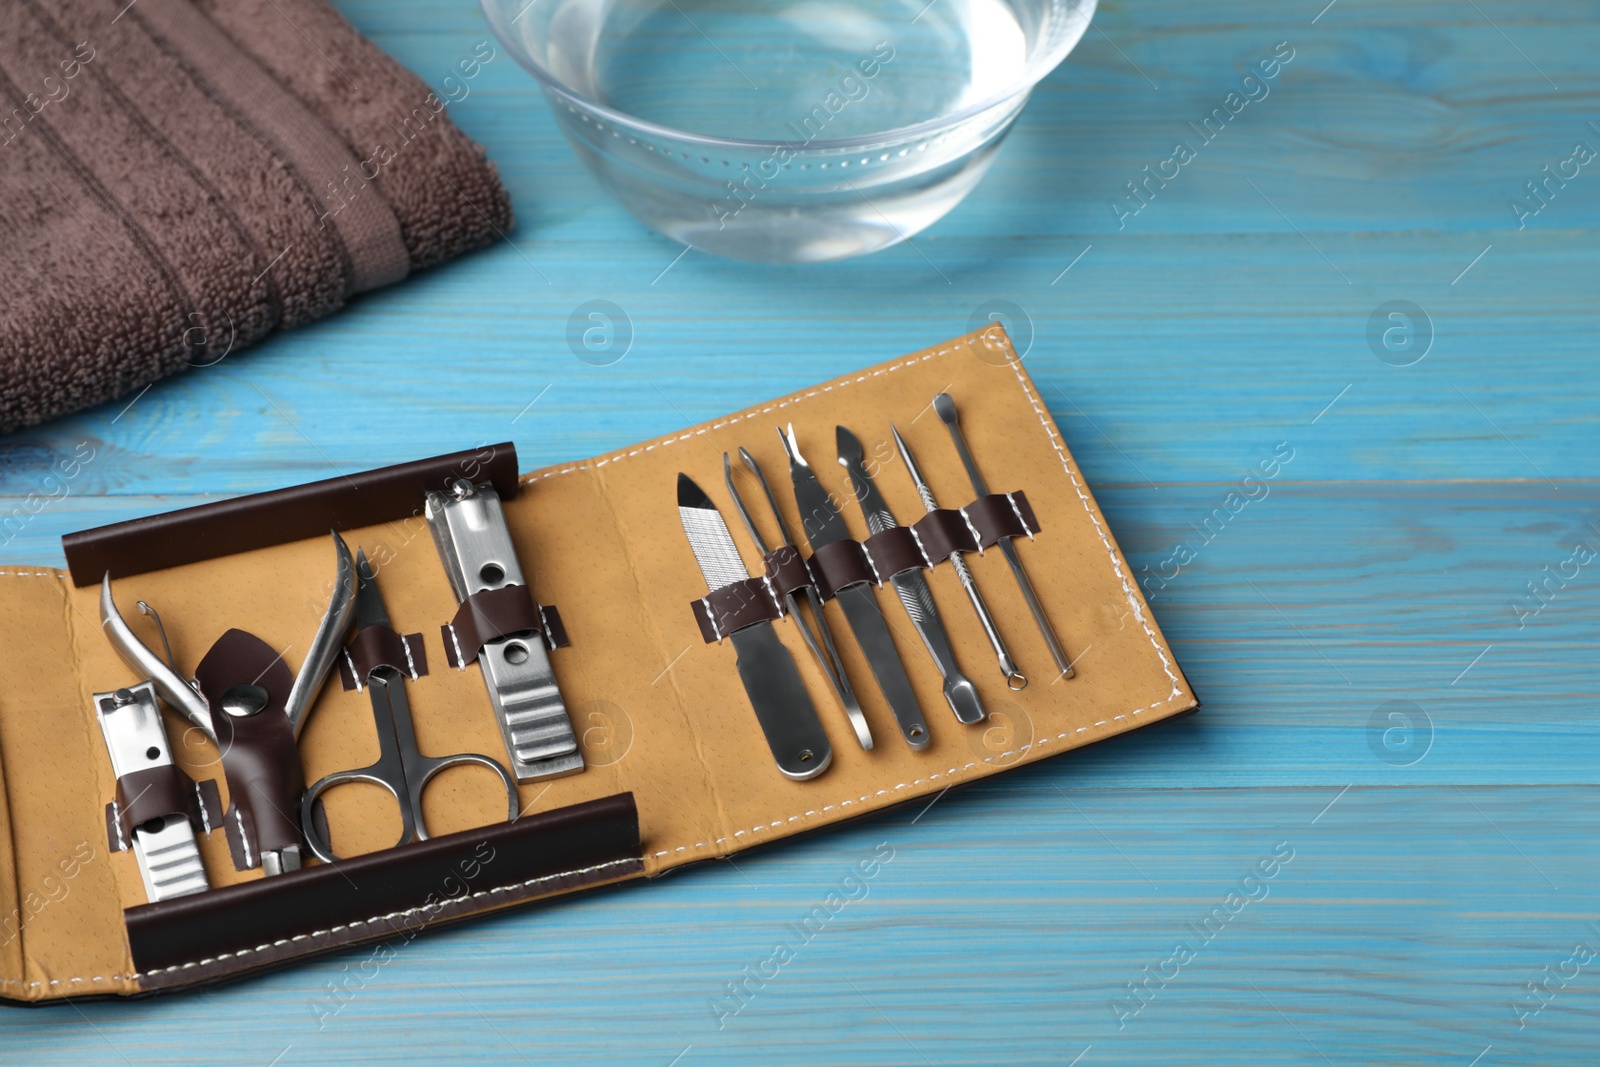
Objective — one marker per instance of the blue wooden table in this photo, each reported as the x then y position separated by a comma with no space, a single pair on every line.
1396,646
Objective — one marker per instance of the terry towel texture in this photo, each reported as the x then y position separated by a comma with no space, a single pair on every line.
180,177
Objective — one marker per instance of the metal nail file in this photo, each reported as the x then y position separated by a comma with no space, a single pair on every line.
771,679
165,848
470,529
824,524
826,653
946,407
912,589
1008,667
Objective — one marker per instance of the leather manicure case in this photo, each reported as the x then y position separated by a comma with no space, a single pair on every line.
677,769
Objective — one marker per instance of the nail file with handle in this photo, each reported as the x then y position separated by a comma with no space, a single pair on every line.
824,524
912,589
946,407
822,648
771,679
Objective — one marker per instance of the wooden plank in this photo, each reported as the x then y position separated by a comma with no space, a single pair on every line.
1005,924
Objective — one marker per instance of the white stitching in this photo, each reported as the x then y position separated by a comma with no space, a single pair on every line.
1082,499
715,629
514,887
244,839
544,630
975,535
411,664
1018,512
116,820
1116,567
921,548
205,818
461,660
772,594
355,673
866,554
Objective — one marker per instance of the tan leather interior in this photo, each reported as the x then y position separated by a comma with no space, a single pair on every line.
658,711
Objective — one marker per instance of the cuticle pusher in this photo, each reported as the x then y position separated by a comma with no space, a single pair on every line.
945,405
1008,666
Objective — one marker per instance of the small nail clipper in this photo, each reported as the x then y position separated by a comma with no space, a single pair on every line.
151,793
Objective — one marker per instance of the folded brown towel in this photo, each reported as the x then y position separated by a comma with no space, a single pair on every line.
180,177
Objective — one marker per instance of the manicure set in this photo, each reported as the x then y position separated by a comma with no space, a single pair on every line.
743,608
279,725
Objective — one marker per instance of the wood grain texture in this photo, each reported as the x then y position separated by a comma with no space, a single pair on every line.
1385,564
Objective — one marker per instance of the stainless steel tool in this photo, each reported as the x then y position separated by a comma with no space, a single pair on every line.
912,589
165,848
824,524
274,793
1015,679
823,648
469,528
946,407
771,679
400,768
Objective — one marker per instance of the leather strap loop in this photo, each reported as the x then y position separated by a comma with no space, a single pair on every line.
894,551
1001,515
839,566
735,606
788,571
155,793
379,646
491,614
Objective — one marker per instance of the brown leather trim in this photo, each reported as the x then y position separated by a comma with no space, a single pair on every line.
555,631
208,935
942,533
379,646
156,792
734,607
893,551
995,517
489,615
839,565
788,571
281,515
259,755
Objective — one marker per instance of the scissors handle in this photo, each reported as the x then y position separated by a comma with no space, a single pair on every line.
400,768
420,770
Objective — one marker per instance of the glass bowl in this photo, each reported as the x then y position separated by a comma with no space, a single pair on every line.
788,131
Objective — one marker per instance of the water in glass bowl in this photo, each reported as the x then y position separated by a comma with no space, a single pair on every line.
789,130
799,70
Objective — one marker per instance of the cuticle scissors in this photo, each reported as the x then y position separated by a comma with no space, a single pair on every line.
400,768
